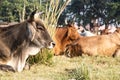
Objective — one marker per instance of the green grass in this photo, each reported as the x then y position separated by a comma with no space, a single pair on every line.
77,68
45,57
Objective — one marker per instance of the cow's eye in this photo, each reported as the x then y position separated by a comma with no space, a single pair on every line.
40,27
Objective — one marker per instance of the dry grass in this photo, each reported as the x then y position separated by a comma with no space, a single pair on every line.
63,68
53,11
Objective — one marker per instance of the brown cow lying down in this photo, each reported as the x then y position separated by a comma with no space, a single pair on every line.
64,36
107,45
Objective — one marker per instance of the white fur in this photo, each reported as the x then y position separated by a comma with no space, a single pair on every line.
51,45
32,50
19,64
28,51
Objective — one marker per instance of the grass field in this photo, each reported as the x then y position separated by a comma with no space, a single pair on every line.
77,68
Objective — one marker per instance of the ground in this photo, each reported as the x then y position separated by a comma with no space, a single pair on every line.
64,68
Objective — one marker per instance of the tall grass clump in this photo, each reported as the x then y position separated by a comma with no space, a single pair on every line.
54,8
45,56
52,12
81,73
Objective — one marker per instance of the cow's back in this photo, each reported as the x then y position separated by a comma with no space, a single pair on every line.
104,45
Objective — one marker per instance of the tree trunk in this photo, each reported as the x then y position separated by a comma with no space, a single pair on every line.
23,13
0,2
19,13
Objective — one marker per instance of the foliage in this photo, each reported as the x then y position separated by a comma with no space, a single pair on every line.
86,10
18,9
82,10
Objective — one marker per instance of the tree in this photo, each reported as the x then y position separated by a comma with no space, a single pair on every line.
86,10
17,10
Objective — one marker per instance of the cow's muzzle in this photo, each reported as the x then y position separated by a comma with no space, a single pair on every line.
52,44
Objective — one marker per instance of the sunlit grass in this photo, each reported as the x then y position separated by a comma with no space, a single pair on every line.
77,68
44,57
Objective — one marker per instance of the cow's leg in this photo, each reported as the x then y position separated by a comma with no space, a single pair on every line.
5,54
17,62
27,66
21,62
116,53
6,68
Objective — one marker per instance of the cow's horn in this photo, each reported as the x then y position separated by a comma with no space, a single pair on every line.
41,13
37,15
31,18
66,21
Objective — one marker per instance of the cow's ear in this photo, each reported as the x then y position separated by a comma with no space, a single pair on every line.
31,17
70,24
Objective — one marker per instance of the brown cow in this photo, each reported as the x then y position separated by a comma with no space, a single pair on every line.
67,38
107,45
64,36
20,40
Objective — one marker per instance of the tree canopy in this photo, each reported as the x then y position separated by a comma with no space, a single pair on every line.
82,11
17,10
107,11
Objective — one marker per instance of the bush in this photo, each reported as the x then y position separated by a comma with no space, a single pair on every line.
44,57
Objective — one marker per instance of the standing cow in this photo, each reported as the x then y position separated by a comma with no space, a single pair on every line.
20,40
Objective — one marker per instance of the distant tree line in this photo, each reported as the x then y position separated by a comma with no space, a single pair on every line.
83,11
18,10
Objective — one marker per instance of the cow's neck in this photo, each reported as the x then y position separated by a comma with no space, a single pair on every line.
12,36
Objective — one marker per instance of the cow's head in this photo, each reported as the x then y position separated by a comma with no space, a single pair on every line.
69,34
23,39
38,33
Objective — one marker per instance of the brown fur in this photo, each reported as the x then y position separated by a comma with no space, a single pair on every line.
107,45
68,39
73,50
64,36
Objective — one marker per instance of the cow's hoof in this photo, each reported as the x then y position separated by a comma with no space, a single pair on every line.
6,68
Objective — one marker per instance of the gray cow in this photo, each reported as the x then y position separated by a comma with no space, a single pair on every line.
20,40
